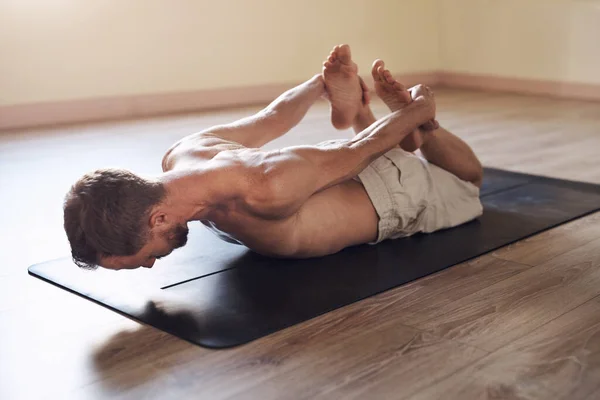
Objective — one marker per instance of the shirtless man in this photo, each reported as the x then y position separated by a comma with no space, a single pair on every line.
301,201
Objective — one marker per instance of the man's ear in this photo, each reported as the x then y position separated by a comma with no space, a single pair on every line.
158,219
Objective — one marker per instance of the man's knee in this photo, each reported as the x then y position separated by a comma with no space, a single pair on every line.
477,175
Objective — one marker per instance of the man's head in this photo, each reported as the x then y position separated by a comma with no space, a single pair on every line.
118,220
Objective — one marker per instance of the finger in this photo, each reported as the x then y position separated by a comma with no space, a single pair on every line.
429,91
428,126
413,93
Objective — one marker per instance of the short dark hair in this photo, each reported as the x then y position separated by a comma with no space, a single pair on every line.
105,214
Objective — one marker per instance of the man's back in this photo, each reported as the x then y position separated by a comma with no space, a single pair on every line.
328,221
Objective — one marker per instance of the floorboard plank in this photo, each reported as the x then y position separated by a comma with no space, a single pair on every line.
559,360
547,245
499,314
275,367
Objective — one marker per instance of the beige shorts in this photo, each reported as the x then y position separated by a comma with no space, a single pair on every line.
411,195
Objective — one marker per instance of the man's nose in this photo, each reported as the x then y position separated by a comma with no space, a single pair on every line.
149,264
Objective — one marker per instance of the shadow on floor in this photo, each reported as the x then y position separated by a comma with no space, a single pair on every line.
135,357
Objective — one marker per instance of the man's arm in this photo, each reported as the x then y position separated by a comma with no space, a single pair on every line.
288,177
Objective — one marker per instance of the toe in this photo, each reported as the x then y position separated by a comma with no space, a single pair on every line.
365,91
388,77
380,72
334,54
375,69
344,54
399,87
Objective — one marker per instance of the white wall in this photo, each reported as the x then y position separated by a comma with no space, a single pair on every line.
556,40
52,50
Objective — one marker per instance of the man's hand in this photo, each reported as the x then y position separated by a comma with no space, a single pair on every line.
425,94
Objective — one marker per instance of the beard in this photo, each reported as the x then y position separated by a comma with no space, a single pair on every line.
178,237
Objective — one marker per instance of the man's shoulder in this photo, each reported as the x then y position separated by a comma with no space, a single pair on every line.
196,149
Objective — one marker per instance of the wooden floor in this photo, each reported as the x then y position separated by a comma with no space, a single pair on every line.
521,323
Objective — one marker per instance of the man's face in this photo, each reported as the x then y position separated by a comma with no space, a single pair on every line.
160,245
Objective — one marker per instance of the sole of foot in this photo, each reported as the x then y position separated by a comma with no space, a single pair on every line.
344,91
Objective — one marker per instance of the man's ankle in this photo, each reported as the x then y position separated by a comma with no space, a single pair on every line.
364,116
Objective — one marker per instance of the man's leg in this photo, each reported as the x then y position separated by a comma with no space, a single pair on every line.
437,145
451,153
276,119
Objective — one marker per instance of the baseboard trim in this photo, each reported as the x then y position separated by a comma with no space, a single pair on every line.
564,90
141,106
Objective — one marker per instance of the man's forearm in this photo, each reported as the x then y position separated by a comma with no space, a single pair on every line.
386,133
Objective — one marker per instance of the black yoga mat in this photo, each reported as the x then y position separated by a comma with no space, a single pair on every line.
217,294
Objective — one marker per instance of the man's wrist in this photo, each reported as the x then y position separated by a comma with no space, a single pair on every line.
318,80
423,109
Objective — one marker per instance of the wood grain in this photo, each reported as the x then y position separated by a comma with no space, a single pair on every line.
275,367
547,245
56,345
559,360
501,313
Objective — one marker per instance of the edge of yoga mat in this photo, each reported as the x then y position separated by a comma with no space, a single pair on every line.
186,327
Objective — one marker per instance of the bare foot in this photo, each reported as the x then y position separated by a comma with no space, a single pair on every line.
395,96
343,86
392,92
